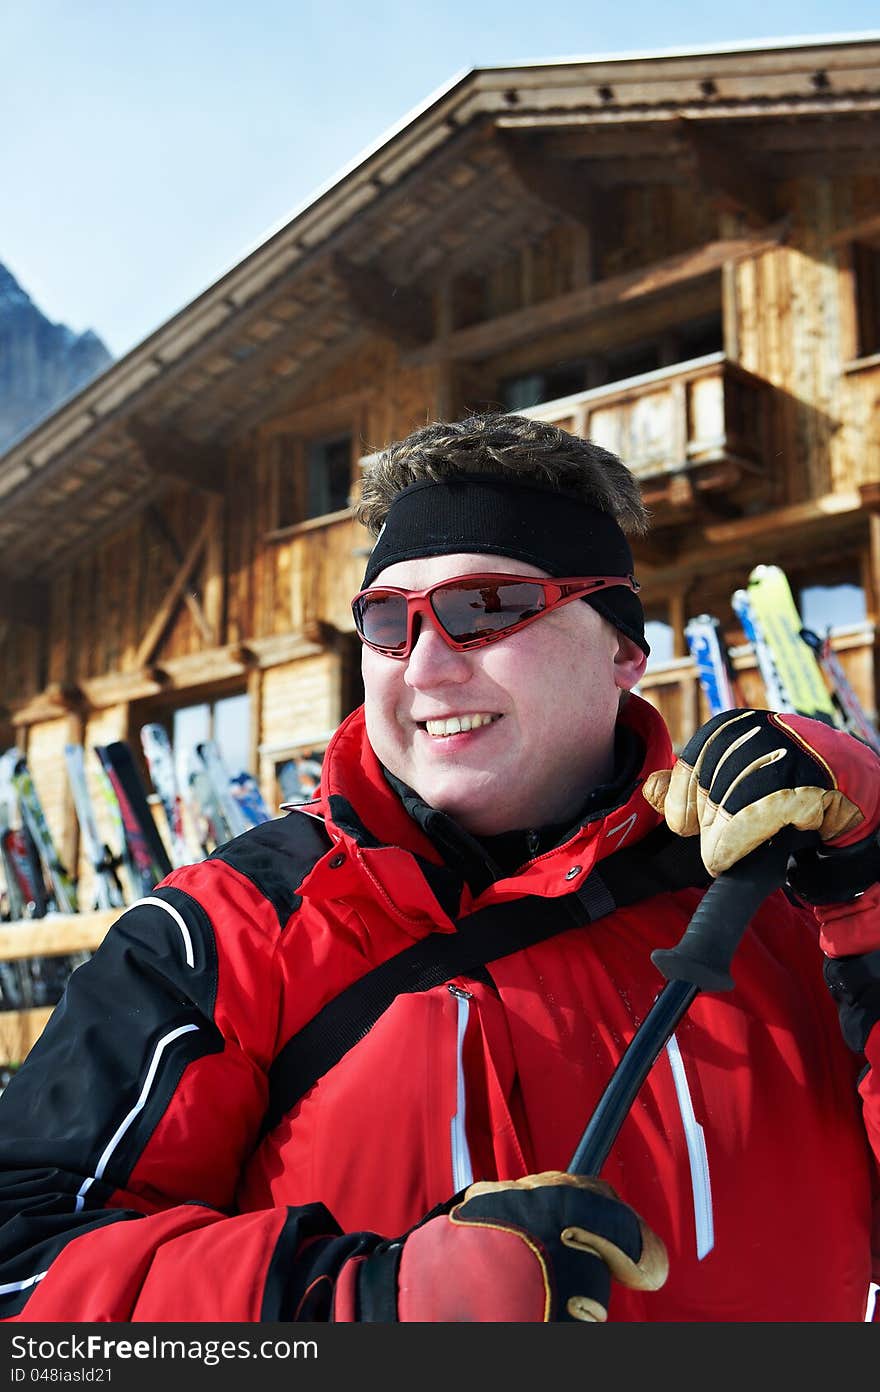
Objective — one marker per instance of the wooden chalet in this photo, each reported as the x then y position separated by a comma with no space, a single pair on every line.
675,254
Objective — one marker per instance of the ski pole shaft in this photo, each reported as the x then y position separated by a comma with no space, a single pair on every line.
626,1080
700,961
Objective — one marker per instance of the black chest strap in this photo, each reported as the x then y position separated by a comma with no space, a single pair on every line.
660,863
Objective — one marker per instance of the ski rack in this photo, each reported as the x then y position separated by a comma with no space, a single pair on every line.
55,936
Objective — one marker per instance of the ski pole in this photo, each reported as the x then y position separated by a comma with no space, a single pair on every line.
700,962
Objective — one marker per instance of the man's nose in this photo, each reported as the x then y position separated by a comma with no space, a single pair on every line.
432,662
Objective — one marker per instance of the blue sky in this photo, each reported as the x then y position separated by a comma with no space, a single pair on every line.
146,147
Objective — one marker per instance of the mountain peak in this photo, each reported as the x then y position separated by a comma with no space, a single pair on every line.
42,364
10,290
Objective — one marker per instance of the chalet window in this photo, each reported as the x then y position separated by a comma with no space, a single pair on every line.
314,477
681,343
225,720
866,272
519,393
328,463
832,606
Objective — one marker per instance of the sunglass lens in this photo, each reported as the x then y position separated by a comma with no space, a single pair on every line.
380,619
469,610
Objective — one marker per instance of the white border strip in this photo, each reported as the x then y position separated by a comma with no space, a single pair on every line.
135,1111
462,1170
23,1285
697,1155
169,908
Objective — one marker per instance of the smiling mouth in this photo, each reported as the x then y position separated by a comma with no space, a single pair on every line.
456,724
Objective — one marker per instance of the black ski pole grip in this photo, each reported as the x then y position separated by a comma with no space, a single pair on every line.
705,952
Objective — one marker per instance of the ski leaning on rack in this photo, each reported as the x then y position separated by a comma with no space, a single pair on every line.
160,759
42,864
232,816
246,791
61,885
145,851
712,661
25,887
108,890
848,704
119,846
776,613
25,896
777,697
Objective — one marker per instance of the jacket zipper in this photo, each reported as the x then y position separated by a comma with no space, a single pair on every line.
697,1155
462,1170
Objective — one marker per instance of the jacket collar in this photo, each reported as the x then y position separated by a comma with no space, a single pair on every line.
362,808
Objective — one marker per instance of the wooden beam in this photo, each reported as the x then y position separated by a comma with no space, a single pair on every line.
393,311
874,566
289,391
52,702
559,184
317,416
118,688
19,1032
55,936
190,596
165,612
90,539
297,340
856,231
736,544
784,519
55,515
24,601
212,665
495,335
169,454
733,181
484,191
486,246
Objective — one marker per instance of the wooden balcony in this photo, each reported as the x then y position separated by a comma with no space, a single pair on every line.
687,431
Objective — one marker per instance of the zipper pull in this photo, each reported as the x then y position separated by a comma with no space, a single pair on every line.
459,991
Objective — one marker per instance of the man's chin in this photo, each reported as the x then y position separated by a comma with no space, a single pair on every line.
469,801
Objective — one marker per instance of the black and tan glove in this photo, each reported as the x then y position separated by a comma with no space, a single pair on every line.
747,774
540,1249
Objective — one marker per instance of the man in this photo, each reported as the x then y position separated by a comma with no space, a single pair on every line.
338,1070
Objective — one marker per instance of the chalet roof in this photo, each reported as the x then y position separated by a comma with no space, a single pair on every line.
449,188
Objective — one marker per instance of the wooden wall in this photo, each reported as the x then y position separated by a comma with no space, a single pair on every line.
790,321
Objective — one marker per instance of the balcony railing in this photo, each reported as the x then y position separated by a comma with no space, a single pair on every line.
704,423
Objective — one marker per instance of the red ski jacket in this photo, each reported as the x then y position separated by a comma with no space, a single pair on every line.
137,1181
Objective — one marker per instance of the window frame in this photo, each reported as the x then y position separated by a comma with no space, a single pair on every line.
303,429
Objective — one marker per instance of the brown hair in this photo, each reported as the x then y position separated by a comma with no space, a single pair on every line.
504,444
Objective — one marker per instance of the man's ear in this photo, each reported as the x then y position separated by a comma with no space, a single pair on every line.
629,663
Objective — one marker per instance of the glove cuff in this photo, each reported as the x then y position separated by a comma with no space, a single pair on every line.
829,875
854,983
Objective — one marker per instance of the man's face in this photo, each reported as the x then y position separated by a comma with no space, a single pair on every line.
552,690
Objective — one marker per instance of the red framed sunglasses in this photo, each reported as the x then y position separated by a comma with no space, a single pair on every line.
468,611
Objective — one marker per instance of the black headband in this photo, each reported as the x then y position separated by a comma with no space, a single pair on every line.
499,515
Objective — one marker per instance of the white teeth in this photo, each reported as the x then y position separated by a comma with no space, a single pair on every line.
455,724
